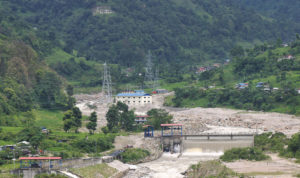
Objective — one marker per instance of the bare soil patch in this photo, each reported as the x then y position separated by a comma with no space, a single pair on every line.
276,167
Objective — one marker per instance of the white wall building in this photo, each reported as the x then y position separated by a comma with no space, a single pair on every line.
138,97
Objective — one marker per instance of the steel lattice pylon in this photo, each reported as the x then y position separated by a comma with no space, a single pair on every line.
149,77
106,84
156,79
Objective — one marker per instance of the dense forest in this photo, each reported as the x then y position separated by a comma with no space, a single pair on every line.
176,31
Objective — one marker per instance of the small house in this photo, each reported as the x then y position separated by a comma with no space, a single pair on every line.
260,84
141,119
241,85
217,65
160,91
201,69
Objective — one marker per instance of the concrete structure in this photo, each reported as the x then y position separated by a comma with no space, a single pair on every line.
160,91
102,10
148,131
137,97
141,119
206,143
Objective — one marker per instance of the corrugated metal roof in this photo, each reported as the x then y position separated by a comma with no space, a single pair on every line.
133,94
39,158
163,125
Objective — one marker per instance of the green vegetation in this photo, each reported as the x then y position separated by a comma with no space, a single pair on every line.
157,117
49,176
271,142
211,169
99,170
134,155
72,119
93,123
119,117
267,142
74,41
243,153
267,64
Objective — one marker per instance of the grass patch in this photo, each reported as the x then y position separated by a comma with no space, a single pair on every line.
88,90
8,167
99,170
51,119
58,56
6,175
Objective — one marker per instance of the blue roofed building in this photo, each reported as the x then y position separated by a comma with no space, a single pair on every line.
136,97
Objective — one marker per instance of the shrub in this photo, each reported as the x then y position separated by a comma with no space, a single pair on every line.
244,153
271,142
134,155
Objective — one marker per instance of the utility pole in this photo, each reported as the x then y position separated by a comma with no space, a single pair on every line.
106,84
149,77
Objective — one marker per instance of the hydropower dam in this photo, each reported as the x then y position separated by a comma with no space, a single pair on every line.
173,140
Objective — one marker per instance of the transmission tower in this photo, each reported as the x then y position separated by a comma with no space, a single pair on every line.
149,77
106,84
156,79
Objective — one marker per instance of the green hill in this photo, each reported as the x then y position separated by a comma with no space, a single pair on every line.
174,30
276,67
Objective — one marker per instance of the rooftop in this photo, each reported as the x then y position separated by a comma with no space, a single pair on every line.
39,158
135,93
167,125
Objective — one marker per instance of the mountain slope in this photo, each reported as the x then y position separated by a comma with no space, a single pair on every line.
263,78
176,31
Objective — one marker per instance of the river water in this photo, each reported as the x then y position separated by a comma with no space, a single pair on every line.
171,165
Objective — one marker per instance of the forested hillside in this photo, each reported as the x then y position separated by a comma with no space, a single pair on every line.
278,10
263,78
26,82
174,30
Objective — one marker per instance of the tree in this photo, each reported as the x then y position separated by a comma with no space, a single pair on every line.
237,51
119,117
72,119
93,123
112,117
157,117
70,90
31,134
128,120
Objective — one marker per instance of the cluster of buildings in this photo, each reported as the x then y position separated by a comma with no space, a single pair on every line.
262,85
102,10
211,67
138,98
23,146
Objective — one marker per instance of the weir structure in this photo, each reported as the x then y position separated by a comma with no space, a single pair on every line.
173,140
